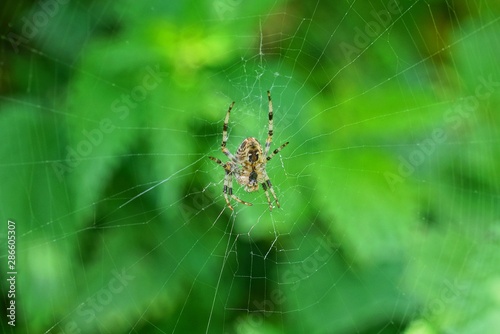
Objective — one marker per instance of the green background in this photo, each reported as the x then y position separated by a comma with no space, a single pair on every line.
389,188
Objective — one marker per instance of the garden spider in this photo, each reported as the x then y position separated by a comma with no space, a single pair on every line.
249,163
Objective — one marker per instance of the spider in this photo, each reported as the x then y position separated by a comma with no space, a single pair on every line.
248,165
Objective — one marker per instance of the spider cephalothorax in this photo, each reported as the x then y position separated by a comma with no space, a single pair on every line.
248,165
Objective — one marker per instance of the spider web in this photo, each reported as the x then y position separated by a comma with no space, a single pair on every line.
388,189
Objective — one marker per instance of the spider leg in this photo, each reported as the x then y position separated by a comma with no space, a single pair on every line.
218,161
270,132
228,180
276,151
228,190
228,184
270,126
268,185
225,136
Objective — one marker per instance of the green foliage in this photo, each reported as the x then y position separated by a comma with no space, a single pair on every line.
389,186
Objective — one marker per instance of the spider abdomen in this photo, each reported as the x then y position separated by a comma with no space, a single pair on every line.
250,157
249,178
